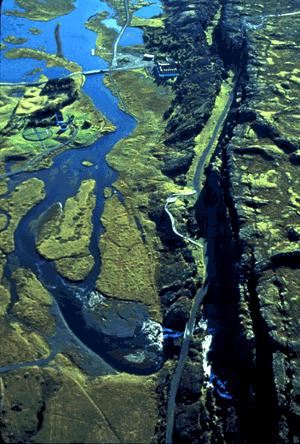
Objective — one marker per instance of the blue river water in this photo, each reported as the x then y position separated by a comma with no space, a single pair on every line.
64,177
77,40
149,11
62,180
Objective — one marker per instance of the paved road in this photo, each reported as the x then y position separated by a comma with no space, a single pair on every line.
190,325
249,25
114,62
129,66
188,333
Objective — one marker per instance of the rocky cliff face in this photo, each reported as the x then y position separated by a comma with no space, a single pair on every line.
261,188
251,202
184,40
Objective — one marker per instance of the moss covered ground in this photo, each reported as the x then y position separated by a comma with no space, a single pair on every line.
34,302
27,111
15,40
74,405
16,205
24,329
20,344
65,237
77,408
42,10
51,59
140,178
35,31
156,22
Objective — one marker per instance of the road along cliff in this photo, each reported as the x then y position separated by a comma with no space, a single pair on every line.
248,214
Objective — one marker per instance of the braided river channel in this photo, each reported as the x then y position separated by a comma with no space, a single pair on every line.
62,180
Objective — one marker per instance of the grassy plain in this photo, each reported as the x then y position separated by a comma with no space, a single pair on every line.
42,10
65,237
140,178
25,109
16,205
75,406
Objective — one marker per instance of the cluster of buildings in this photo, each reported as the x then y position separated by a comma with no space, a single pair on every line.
162,69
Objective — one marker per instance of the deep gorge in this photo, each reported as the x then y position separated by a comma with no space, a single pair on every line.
243,353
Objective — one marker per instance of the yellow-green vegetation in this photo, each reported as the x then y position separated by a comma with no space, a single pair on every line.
268,179
281,110
66,236
208,134
26,111
211,28
5,295
2,46
78,408
3,221
108,192
90,122
35,31
140,179
16,205
128,265
15,40
105,36
125,393
20,344
21,339
75,268
51,59
156,22
118,5
33,305
23,394
268,188
42,10
87,163
265,179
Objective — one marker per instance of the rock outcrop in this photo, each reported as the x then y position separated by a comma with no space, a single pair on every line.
251,207
256,171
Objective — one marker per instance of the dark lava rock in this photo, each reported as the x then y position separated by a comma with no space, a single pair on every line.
191,383
177,165
295,157
294,234
191,425
178,314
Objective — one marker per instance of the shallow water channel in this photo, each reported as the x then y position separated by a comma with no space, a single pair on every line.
63,178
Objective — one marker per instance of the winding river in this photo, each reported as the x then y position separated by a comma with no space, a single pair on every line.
63,178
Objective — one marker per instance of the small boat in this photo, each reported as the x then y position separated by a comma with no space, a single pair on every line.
93,52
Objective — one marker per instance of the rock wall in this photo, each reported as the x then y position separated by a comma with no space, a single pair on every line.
251,204
184,40
256,173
